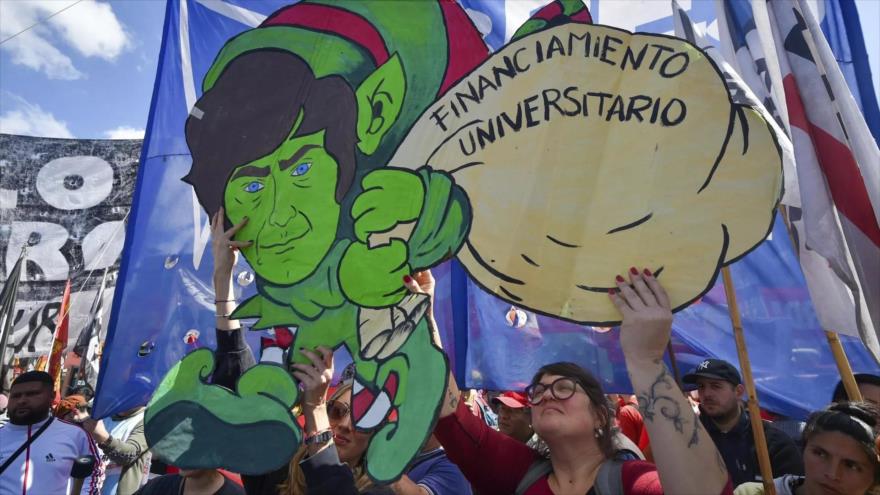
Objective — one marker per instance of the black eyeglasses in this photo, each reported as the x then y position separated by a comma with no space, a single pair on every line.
561,389
337,410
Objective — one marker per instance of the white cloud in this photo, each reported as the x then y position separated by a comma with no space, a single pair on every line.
30,120
92,29
89,27
35,52
124,132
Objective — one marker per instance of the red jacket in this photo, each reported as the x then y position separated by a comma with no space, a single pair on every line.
494,463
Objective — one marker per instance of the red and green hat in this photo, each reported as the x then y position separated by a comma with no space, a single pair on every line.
435,40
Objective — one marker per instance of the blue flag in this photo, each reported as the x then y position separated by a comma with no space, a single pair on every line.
843,31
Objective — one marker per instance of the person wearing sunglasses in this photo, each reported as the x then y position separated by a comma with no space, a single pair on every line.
331,459
571,414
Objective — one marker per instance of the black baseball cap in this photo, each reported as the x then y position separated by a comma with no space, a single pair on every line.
716,369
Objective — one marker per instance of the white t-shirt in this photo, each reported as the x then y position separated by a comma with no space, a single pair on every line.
44,467
785,485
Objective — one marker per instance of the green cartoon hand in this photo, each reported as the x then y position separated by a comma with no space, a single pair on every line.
373,277
390,197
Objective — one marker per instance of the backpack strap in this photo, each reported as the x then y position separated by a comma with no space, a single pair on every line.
538,469
609,481
26,443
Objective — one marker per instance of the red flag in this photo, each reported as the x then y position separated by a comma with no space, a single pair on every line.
60,341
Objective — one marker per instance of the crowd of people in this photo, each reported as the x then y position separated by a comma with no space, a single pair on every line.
561,435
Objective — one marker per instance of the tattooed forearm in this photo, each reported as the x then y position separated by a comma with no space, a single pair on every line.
695,434
663,397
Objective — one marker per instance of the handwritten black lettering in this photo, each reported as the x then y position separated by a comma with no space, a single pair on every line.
607,48
586,40
555,46
666,118
551,102
660,50
530,110
668,73
437,117
635,60
516,64
577,104
644,103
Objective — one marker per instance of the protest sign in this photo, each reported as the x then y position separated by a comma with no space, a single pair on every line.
334,229
584,150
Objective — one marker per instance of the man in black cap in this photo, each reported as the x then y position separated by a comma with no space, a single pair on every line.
727,421
869,386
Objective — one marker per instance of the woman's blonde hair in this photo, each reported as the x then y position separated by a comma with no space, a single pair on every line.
296,481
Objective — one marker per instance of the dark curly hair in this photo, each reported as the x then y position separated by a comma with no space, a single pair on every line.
857,420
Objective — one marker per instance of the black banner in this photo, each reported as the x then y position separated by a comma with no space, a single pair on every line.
67,200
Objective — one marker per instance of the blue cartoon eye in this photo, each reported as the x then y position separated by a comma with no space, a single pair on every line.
301,169
253,186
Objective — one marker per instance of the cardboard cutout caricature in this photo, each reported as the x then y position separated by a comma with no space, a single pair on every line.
293,115
363,143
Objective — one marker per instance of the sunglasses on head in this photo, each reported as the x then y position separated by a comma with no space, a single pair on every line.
338,410
561,389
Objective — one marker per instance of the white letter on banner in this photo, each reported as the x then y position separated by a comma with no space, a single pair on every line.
45,241
75,182
103,245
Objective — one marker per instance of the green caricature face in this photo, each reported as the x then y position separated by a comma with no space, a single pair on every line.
288,197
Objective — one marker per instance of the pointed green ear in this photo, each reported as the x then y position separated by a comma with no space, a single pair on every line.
379,98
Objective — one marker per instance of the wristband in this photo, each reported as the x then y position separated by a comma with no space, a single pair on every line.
106,442
218,301
318,438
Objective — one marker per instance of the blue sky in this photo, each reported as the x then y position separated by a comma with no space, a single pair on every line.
86,73
89,71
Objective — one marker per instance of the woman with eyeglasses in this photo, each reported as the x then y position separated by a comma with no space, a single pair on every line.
570,413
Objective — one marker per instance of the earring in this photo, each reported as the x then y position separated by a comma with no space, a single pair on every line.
599,432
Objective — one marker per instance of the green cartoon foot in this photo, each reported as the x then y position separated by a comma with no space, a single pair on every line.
192,424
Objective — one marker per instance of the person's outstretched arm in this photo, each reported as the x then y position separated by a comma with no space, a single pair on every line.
686,457
491,461
233,356
423,283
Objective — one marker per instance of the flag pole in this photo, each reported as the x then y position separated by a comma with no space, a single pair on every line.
746,367
8,297
843,366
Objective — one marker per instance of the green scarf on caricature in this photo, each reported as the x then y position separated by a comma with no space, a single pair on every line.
293,131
